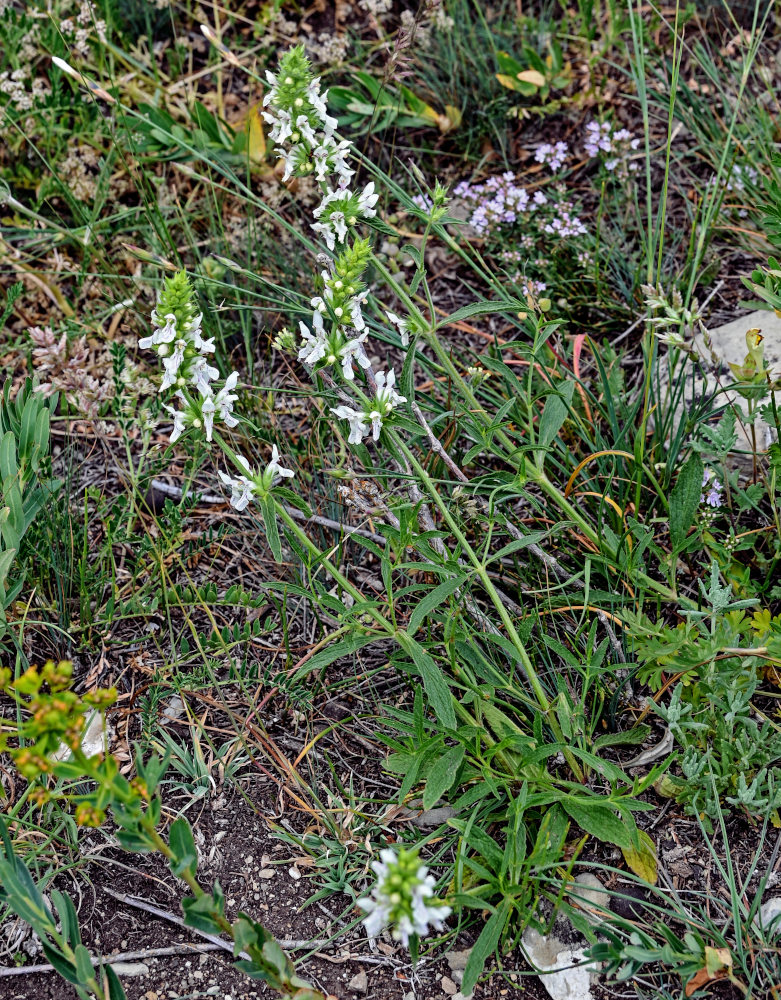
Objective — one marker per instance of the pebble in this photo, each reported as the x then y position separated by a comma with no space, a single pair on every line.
457,959
448,986
359,983
589,895
130,969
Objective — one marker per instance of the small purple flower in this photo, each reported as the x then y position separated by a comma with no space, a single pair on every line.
713,496
552,154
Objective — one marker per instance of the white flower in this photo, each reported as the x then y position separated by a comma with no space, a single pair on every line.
306,130
220,404
274,470
272,93
201,374
401,325
358,426
314,346
242,488
342,171
318,102
387,398
171,365
296,158
402,898
353,349
164,331
208,410
281,125
337,220
367,200
320,156
180,422
354,305
327,234
225,398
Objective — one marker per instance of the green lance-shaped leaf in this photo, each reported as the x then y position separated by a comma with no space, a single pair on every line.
685,500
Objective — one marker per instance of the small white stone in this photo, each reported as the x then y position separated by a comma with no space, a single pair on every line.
457,959
130,969
769,913
359,983
589,896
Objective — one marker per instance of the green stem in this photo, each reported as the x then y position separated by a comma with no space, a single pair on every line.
483,576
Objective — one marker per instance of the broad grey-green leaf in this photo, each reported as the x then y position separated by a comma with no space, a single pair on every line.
484,946
434,683
685,500
433,600
442,776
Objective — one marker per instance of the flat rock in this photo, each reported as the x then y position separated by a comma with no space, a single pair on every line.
552,957
95,738
769,913
729,347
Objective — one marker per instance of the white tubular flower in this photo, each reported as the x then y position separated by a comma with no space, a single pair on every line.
401,325
340,208
342,171
201,374
180,423
402,898
387,398
320,156
274,471
272,92
281,125
385,401
354,305
358,426
306,130
317,302
242,488
171,365
318,102
225,399
367,199
353,349
337,221
164,332
295,159
326,233
208,409
314,346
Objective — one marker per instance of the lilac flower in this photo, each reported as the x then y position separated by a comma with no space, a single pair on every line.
713,496
552,155
616,144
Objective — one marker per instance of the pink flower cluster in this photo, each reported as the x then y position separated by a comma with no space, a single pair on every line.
603,140
552,155
501,201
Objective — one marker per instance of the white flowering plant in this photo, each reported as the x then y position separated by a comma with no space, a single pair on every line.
379,414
